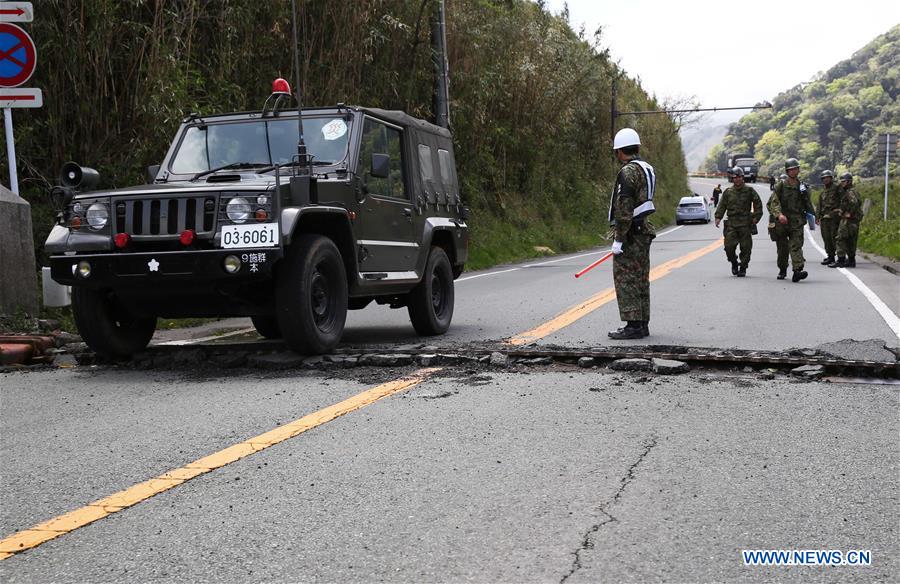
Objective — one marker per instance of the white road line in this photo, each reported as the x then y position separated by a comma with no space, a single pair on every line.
204,339
562,259
488,274
886,313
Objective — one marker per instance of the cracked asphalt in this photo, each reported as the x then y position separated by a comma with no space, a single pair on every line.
558,475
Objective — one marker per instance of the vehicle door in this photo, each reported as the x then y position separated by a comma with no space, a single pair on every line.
386,235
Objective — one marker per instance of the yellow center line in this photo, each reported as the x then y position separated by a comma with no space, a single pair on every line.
53,528
570,315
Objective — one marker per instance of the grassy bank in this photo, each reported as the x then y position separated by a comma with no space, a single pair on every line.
876,235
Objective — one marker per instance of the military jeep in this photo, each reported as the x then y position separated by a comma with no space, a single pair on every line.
233,223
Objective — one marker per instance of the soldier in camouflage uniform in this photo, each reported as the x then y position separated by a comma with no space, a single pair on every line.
737,202
828,214
850,212
788,207
630,204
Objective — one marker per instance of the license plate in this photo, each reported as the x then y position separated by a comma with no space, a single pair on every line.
243,236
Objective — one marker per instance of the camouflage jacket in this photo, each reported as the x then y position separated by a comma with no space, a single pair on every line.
850,203
790,201
632,199
829,200
737,202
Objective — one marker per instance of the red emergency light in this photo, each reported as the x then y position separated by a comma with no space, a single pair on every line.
122,240
186,237
281,85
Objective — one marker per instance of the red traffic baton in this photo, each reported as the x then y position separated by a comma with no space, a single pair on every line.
594,265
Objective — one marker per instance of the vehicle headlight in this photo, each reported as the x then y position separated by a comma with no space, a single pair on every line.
97,216
238,210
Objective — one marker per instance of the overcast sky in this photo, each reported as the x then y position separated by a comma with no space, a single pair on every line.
730,54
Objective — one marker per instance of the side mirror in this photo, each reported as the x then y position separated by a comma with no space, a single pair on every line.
78,177
381,166
152,171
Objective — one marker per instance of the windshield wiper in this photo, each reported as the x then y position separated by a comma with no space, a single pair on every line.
230,166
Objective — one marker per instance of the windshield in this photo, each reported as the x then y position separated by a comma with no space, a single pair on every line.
745,162
262,142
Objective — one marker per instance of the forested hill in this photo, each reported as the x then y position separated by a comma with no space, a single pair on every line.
530,97
830,122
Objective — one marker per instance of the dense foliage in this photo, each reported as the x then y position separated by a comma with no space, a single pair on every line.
830,122
530,97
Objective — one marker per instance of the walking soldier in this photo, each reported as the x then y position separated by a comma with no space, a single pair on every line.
737,202
788,207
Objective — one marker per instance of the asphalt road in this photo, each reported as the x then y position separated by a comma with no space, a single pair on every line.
547,474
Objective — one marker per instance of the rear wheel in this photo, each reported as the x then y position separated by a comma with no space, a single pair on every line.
430,303
108,327
311,295
266,325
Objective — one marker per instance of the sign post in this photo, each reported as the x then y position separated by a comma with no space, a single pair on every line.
18,59
887,145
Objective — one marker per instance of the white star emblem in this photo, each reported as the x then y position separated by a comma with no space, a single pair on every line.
153,265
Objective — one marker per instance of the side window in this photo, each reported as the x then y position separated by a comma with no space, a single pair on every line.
448,175
377,138
427,169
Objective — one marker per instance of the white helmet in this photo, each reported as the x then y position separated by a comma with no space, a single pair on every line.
626,137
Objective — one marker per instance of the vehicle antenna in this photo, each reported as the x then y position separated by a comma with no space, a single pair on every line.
301,145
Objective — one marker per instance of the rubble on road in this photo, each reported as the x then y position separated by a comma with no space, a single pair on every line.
630,365
669,366
809,371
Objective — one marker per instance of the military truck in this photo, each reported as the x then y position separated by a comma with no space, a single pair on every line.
233,223
746,161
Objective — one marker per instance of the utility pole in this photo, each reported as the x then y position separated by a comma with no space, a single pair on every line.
441,98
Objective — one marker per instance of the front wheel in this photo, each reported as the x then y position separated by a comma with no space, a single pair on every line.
311,295
108,327
430,303
266,325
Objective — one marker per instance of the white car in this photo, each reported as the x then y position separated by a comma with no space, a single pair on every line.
693,208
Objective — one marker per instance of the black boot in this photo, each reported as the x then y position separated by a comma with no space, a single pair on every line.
840,263
645,328
782,274
851,261
734,267
632,330
798,275
742,271
827,260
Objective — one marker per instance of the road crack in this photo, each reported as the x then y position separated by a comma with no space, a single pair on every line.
587,542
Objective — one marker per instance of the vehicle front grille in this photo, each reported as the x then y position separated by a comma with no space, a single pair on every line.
165,217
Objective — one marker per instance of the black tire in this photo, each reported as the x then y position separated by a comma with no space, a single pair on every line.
678,222
266,325
107,327
430,303
311,295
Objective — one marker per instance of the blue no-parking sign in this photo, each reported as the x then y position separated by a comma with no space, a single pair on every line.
18,56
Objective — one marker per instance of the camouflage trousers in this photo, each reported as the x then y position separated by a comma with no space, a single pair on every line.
735,236
847,234
631,275
829,228
789,242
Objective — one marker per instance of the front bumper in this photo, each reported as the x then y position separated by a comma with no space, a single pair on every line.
150,269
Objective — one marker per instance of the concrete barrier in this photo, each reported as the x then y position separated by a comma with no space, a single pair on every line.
18,277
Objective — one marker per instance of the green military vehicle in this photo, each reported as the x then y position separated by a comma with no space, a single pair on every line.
234,223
